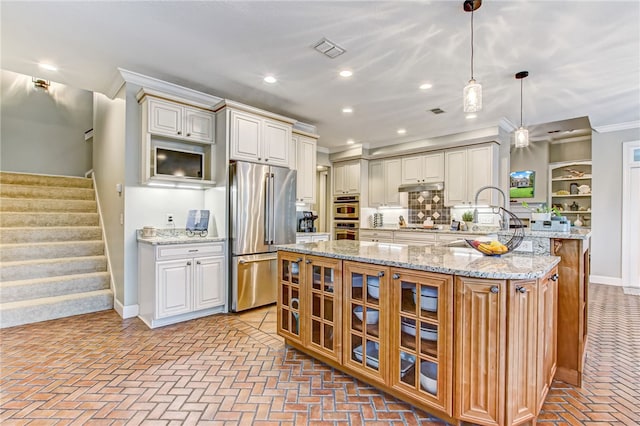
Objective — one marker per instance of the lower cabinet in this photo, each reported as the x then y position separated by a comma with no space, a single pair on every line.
180,281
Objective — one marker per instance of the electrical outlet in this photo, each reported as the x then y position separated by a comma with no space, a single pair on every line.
169,217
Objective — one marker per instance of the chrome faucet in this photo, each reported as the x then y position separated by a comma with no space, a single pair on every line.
504,220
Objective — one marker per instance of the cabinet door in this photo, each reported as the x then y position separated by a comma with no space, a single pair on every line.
209,284
365,310
323,319
165,118
455,182
352,178
339,184
376,183
480,172
290,305
547,334
480,344
392,178
422,343
412,169
277,137
246,134
306,166
433,168
174,295
198,125
522,352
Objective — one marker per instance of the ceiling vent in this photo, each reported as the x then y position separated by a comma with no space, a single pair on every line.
437,111
328,48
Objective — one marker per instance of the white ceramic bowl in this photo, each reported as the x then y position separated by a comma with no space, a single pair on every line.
428,299
427,331
373,287
372,315
429,377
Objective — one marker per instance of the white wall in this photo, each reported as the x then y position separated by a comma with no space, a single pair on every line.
43,131
606,243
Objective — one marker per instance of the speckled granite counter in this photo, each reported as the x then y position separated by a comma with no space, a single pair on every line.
541,240
445,230
446,260
179,236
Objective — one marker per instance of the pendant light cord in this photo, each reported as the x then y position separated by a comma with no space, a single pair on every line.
521,83
472,41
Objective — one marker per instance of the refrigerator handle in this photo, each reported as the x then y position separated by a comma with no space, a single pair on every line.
267,208
272,219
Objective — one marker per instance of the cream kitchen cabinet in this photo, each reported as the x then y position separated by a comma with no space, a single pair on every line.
466,171
178,121
305,154
427,168
348,177
376,235
178,282
384,180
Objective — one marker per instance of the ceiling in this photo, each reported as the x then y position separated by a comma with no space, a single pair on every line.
583,58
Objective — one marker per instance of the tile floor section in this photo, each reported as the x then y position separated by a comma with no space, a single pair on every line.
232,369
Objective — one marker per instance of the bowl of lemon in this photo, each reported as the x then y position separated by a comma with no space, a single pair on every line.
489,248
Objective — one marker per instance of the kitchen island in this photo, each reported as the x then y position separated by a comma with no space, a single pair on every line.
466,337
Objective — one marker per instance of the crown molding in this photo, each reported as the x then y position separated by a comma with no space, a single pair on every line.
616,127
322,149
507,125
116,84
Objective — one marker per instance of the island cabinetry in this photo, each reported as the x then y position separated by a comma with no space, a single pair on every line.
547,333
290,277
422,343
366,332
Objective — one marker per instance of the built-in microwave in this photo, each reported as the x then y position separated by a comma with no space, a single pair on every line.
346,207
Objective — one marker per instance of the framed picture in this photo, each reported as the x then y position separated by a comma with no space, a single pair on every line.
522,184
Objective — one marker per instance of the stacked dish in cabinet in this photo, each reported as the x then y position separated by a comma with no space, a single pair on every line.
570,186
365,320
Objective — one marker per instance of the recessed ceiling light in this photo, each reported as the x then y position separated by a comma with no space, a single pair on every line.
48,67
470,116
350,141
346,73
347,110
402,131
270,79
426,86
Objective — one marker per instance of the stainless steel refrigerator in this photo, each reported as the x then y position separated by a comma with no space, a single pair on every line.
262,214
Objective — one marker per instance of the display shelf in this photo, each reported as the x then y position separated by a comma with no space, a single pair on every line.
560,179
569,177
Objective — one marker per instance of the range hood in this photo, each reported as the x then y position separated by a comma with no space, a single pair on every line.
421,186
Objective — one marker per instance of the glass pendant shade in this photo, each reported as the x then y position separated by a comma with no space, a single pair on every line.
472,95
522,137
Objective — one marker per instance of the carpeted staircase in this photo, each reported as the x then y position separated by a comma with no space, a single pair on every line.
52,261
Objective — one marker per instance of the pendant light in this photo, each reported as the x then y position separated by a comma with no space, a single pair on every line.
522,134
472,93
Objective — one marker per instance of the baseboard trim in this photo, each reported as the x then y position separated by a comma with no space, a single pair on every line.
125,312
602,279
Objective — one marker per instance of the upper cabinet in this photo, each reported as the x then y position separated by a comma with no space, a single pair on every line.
255,135
427,168
304,147
384,179
178,121
348,177
466,171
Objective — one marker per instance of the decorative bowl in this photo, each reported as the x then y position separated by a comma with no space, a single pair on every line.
372,315
429,376
428,298
373,287
427,331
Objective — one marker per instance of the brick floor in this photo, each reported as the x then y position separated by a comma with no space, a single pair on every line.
98,369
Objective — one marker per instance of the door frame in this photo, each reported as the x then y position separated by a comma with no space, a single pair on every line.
629,216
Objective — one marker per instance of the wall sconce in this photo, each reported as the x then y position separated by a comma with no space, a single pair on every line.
40,83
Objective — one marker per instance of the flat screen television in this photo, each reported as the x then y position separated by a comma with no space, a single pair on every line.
522,184
177,163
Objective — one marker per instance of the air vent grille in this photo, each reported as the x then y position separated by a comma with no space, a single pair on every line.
328,48
437,111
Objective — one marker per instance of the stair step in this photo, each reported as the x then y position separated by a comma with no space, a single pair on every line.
50,250
12,219
48,205
46,192
41,268
14,178
14,291
61,233
30,311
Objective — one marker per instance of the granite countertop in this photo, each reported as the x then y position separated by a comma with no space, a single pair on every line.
312,233
445,230
446,260
573,234
179,236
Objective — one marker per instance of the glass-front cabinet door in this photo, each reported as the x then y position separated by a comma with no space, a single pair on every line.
290,280
323,289
366,303
422,326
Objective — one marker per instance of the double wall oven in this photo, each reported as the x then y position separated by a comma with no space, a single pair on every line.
346,217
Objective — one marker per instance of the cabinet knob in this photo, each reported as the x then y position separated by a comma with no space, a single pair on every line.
381,274
554,277
298,260
198,262
188,263
179,132
266,159
520,289
495,289
259,158
308,261
188,134
396,276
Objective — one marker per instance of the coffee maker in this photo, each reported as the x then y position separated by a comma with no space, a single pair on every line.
305,223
